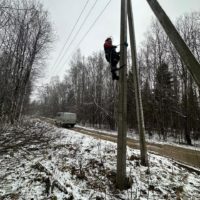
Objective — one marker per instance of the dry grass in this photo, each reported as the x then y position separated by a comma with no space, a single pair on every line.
183,155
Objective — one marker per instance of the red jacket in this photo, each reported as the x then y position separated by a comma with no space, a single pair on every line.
109,50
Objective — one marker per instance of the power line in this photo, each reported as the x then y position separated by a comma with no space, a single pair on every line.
93,24
67,40
78,31
90,28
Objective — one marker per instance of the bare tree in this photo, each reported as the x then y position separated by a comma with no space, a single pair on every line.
23,44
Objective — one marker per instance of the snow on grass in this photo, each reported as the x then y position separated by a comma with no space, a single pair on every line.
154,139
86,167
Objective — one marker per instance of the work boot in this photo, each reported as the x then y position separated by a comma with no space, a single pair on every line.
115,76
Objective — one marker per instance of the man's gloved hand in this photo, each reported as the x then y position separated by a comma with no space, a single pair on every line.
125,44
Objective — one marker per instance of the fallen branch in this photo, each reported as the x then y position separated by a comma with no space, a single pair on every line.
54,182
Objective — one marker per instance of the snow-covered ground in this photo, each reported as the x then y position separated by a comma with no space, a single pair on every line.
154,139
85,168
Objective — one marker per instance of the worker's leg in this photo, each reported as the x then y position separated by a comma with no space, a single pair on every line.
115,76
113,71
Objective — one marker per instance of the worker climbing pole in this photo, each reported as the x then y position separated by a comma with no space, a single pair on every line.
122,105
186,55
112,57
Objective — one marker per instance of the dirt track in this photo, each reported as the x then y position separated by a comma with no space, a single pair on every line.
186,156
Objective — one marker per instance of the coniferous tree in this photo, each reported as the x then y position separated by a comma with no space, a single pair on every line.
164,98
148,107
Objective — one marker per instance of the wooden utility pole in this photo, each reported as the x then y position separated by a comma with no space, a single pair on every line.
138,99
184,52
122,107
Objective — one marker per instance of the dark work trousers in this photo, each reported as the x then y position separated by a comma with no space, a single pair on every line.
113,63
113,58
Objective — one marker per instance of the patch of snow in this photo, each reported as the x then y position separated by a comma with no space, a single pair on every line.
86,167
153,139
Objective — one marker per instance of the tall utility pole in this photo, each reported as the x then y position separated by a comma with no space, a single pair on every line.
122,107
139,108
184,52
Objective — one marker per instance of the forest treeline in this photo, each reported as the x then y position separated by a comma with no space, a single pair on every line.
25,35
171,100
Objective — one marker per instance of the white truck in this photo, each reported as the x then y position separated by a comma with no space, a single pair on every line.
66,119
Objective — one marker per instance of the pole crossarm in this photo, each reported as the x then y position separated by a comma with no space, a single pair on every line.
186,55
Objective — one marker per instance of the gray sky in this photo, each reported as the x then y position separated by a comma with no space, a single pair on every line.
64,13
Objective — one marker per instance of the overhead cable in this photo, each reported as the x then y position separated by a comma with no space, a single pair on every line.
85,19
67,40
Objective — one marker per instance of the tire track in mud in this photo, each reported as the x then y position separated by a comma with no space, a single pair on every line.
180,155
187,158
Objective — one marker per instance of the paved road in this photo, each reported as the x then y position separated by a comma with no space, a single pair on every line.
186,156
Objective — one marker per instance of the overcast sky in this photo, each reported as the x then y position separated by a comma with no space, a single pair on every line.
64,13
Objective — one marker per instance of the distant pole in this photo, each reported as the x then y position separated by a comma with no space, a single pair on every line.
122,107
139,108
184,52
